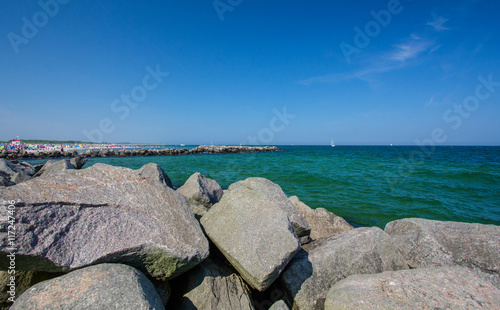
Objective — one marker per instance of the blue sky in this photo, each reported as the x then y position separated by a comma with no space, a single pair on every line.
229,72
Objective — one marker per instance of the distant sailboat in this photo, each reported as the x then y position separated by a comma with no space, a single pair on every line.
332,143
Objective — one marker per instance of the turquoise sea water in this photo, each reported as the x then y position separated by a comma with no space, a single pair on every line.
367,185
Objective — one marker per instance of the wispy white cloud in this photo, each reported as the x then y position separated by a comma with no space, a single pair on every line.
402,55
362,74
438,23
410,49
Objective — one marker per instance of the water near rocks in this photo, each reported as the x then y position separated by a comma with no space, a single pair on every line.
367,185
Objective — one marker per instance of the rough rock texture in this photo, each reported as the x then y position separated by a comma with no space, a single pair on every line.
326,261
426,243
5,179
154,172
279,305
273,192
19,177
78,162
102,214
426,288
323,223
214,286
11,167
52,167
23,281
104,286
12,173
254,234
202,193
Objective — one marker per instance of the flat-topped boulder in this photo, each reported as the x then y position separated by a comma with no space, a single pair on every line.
100,287
102,214
254,234
275,195
324,262
201,192
425,288
322,222
427,243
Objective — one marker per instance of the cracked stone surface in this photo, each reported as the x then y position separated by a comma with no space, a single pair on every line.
102,214
427,243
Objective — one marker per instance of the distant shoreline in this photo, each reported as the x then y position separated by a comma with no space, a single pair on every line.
128,152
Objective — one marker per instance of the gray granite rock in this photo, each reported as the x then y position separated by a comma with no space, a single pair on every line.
19,177
78,162
13,173
213,286
323,223
5,179
279,305
23,281
12,167
102,214
7,167
202,193
326,261
426,288
104,286
52,167
154,172
427,243
254,234
273,192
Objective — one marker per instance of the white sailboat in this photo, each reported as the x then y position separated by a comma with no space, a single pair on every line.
332,143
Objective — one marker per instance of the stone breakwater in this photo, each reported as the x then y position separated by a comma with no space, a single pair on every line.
108,237
202,149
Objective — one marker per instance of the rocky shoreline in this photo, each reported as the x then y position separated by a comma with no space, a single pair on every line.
202,149
108,237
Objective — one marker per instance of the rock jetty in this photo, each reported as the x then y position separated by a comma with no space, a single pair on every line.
107,237
202,149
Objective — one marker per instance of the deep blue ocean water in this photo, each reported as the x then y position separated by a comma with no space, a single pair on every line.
367,185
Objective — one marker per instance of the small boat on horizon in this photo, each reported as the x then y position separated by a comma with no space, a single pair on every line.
332,143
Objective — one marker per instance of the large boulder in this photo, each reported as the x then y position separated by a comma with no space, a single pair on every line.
52,167
326,261
154,172
426,288
104,286
427,243
254,234
323,223
102,214
202,193
212,285
275,195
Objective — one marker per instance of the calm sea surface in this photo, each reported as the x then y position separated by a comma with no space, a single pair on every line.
367,185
